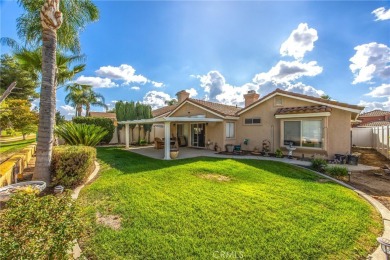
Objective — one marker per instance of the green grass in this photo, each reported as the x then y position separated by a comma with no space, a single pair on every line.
268,210
8,148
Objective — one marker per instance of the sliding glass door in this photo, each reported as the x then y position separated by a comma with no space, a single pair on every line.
198,134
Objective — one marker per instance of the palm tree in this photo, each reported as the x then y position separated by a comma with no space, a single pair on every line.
93,98
30,59
77,97
40,24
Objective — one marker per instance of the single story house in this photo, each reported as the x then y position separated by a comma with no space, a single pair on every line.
373,118
314,126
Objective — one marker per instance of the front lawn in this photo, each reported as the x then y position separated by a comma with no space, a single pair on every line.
205,208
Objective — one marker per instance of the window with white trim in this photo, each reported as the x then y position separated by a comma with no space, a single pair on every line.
252,121
230,129
303,133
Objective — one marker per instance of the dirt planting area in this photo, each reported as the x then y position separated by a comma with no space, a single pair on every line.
375,183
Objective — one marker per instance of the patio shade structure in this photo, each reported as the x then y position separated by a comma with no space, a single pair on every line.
167,127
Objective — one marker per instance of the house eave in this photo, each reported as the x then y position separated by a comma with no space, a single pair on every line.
303,115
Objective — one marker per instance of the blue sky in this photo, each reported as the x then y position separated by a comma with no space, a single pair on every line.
148,51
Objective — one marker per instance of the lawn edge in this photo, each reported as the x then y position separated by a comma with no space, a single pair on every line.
385,213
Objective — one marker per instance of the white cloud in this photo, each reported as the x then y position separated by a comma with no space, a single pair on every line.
369,106
156,99
381,14
286,71
67,111
157,84
193,92
300,41
96,82
370,60
123,72
381,91
135,88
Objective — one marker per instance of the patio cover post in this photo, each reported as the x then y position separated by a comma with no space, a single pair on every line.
167,144
127,135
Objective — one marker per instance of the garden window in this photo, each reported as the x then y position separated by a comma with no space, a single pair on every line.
230,130
252,121
303,133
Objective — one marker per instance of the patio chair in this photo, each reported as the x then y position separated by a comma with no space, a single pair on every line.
158,143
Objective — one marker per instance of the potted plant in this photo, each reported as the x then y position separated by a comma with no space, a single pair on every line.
174,153
266,147
278,153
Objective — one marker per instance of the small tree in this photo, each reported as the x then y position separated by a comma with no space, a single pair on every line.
120,116
18,115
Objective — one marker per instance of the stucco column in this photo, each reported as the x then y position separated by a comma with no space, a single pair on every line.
167,144
127,135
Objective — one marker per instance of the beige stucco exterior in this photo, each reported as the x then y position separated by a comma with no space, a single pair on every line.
335,128
331,132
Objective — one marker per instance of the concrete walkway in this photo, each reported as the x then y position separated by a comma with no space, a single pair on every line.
186,152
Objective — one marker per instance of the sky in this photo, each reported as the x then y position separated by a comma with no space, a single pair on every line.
148,51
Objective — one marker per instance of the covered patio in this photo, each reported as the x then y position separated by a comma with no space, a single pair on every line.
167,121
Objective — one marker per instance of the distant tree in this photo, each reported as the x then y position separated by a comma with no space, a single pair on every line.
327,97
171,102
131,114
17,114
120,116
60,119
90,97
147,115
139,109
27,81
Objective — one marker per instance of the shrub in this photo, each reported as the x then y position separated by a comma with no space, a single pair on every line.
33,227
75,134
71,165
318,164
336,171
279,153
106,123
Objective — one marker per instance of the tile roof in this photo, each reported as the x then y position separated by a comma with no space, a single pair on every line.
376,112
375,123
163,110
103,114
222,109
315,99
302,110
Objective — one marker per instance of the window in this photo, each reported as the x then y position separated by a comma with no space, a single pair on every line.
230,130
303,133
252,121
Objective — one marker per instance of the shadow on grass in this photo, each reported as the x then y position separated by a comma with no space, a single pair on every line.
131,163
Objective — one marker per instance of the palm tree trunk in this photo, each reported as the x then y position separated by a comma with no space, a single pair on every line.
47,107
87,108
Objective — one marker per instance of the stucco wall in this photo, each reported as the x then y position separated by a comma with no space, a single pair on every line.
337,137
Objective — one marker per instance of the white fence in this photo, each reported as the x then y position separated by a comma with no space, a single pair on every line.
375,137
380,140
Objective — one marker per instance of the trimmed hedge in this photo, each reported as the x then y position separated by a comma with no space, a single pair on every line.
33,227
106,123
336,171
71,165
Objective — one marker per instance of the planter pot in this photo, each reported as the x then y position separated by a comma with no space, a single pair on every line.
174,154
229,148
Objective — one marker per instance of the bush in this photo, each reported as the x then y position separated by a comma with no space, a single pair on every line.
106,123
318,164
278,153
71,165
336,171
33,227
75,134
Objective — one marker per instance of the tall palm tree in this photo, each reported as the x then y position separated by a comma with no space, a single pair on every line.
40,24
77,96
30,59
94,99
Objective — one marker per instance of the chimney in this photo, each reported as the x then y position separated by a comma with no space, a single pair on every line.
251,97
182,95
